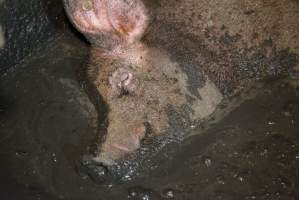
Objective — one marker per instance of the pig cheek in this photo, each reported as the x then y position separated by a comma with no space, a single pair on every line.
130,145
138,133
121,147
133,141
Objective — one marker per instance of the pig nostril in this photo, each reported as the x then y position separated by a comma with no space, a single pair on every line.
87,5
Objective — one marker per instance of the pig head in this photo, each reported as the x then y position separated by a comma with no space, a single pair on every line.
153,58
140,83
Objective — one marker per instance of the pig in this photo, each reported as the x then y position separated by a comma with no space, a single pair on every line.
161,66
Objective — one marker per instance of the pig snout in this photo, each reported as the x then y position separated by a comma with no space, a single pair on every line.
103,167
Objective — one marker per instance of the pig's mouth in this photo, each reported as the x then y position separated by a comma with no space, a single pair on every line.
124,169
102,168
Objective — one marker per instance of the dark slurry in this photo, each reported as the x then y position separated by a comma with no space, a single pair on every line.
52,118
47,122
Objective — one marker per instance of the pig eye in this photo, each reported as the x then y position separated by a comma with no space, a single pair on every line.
87,5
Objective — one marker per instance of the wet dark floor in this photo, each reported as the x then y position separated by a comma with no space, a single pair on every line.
47,121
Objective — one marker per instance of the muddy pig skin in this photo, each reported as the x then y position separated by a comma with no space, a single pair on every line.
150,58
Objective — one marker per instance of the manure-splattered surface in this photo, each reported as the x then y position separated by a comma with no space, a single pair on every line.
47,121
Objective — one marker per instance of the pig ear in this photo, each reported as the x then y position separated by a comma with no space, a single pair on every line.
129,18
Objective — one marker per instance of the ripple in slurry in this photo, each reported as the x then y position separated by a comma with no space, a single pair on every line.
169,193
21,153
140,193
88,168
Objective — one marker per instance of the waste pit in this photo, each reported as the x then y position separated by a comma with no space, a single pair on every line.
219,79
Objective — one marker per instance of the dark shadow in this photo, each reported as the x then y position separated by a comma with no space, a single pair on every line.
54,10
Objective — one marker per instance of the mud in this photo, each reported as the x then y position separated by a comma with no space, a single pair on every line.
47,122
248,150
